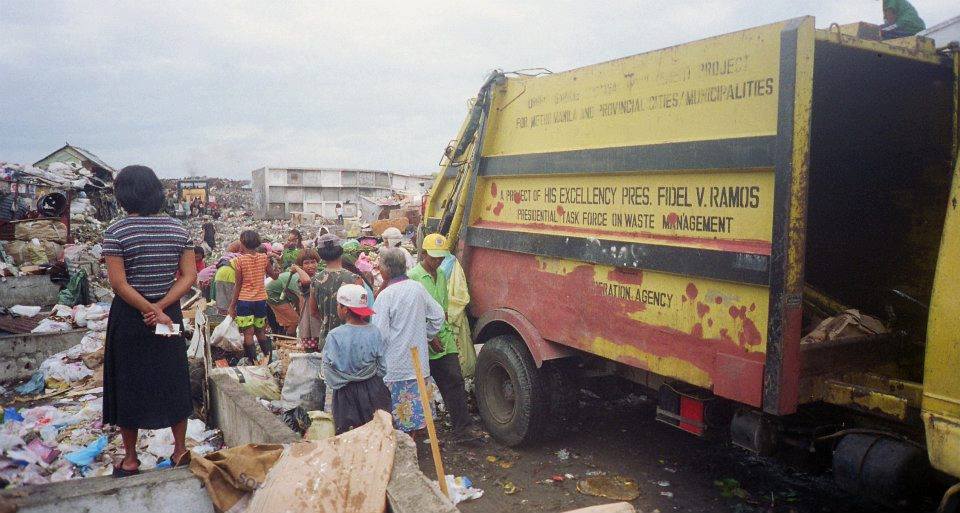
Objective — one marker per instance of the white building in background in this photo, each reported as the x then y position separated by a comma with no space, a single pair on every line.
945,32
280,191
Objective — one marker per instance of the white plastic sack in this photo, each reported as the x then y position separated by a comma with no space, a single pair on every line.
50,325
461,489
55,368
26,311
256,381
227,336
302,386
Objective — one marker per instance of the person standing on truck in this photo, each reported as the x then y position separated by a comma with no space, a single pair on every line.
407,316
444,359
900,19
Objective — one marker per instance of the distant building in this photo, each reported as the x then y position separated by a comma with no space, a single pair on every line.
278,192
945,32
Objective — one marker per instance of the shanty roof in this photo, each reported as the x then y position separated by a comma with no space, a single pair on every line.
83,153
944,32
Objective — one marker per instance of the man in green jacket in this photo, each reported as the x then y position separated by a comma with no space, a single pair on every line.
444,360
900,19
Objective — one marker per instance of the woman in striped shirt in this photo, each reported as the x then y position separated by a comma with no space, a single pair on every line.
146,383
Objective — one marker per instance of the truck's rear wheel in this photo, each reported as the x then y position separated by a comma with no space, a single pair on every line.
511,397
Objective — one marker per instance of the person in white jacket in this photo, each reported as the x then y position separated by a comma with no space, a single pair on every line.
407,317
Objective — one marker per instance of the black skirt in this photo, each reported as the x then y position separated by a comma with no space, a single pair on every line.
146,378
355,403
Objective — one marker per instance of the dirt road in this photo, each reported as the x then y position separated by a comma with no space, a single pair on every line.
675,471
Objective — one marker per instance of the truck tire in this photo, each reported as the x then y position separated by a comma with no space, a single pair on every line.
563,398
511,396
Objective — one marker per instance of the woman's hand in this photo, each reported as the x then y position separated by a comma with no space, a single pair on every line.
157,316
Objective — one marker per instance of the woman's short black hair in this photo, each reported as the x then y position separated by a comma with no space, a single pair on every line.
199,252
296,233
250,239
330,252
139,191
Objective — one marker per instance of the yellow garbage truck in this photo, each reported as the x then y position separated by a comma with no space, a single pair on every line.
762,227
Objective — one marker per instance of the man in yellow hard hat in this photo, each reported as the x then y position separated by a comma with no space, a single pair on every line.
444,358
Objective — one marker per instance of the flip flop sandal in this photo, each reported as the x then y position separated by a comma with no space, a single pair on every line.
119,471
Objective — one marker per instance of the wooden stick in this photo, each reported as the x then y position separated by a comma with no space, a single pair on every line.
431,429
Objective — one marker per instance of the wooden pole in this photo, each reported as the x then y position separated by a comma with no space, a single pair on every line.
431,429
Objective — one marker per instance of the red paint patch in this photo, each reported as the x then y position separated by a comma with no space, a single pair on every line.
749,335
697,330
734,312
488,207
753,306
692,291
702,309
497,209
725,335
493,189
560,210
672,218
709,322
627,278
517,198
718,300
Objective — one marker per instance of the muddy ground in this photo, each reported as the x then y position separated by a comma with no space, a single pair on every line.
675,470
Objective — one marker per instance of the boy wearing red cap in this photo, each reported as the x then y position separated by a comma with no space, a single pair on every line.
353,364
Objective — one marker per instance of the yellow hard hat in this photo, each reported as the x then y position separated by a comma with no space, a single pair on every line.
436,245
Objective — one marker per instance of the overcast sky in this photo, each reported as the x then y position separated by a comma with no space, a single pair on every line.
221,88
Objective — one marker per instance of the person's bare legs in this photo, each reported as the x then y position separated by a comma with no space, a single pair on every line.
129,461
265,346
248,347
179,440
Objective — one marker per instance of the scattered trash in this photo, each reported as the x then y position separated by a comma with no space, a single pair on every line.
563,455
557,478
612,487
506,464
492,459
321,426
510,488
10,414
84,457
33,386
461,489
50,326
671,470
596,473
569,476
730,488
663,484
668,495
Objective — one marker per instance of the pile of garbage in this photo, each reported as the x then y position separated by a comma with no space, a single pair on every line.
52,429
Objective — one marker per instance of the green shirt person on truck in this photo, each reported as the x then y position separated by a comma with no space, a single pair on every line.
900,19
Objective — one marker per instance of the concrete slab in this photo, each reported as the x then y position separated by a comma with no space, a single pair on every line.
28,290
21,355
242,418
161,491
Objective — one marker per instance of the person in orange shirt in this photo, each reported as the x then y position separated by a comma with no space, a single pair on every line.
249,304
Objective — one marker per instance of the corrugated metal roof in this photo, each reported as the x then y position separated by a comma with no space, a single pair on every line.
95,159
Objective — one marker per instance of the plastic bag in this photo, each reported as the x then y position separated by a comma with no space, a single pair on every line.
461,489
84,457
256,381
44,230
321,426
25,311
227,336
302,385
35,385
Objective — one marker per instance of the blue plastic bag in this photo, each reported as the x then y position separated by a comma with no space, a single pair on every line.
33,386
84,457
10,414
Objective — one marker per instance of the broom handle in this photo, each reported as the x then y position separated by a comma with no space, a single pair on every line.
431,429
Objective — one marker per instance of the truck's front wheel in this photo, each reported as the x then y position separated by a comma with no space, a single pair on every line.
510,392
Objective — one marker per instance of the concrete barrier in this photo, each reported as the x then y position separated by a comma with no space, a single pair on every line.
242,418
21,355
28,290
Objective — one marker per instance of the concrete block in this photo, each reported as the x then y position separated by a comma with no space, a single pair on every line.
28,290
242,418
21,355
409,490
173,491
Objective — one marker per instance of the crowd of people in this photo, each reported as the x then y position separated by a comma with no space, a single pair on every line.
364,315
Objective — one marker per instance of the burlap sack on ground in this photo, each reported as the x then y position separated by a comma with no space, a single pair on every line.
230,474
